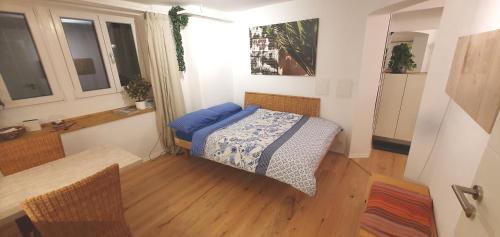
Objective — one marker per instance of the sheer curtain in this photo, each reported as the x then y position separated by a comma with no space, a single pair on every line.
164,75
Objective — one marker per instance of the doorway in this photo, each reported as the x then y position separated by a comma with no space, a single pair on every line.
408,50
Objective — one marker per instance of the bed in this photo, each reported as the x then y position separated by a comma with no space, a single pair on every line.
278,136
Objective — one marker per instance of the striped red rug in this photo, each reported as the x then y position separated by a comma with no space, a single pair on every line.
395,212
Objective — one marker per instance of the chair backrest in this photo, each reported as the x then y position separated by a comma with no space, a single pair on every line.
90,207
29,151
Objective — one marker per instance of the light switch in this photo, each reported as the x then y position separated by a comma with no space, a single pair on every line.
344,88
322,86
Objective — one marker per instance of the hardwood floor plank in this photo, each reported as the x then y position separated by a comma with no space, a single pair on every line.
179,196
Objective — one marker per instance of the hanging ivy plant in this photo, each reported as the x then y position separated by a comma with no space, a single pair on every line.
178,23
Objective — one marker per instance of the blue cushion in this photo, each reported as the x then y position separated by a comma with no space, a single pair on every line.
225,110
194,120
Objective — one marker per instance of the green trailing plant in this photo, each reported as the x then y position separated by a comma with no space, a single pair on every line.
178,23
138,89
401,59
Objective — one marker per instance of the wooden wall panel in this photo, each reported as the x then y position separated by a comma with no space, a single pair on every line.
474,82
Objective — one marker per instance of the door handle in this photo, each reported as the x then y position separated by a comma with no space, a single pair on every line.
477,194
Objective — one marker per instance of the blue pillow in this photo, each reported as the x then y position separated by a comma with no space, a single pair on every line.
184,136
225,110
251,107
194,120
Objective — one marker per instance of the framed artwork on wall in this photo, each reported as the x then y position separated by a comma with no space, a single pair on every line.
284,49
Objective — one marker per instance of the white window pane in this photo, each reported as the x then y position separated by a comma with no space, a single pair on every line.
20,65
123,45
86,53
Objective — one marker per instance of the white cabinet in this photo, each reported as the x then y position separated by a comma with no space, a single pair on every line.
398,104
389,105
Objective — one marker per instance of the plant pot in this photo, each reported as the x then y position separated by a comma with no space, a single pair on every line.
140,105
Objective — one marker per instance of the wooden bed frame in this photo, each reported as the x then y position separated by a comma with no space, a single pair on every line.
286,103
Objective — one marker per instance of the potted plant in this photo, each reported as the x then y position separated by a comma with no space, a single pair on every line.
138,90
401,59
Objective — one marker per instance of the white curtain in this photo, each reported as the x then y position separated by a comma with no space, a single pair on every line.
164,75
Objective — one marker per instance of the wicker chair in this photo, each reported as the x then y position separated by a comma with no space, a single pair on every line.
29,151
91,207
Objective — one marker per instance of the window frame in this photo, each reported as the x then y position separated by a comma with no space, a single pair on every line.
122,20
57,14
45,61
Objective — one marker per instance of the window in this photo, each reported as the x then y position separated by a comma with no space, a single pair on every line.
121,40
100,51
86,54
26,76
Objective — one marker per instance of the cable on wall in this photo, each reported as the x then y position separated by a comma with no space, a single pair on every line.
435,140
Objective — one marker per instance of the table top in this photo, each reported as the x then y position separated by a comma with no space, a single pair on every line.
16,188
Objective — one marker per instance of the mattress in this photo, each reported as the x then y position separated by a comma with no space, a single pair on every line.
284,146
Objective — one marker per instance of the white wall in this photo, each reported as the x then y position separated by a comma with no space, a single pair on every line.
424,19
448,144
418,48
208,79
431,39
137,135
341,35
365,96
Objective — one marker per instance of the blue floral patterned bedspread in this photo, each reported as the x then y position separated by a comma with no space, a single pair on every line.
241,144
284,146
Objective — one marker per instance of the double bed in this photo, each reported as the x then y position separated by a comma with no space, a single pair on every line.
278,136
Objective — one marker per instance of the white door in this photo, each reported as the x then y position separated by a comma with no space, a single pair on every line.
487,219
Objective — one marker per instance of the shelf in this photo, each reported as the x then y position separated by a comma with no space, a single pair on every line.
85,121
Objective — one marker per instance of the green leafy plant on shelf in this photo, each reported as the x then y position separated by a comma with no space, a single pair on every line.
401,59
178,23
139,91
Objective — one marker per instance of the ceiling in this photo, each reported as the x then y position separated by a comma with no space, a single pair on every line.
223,5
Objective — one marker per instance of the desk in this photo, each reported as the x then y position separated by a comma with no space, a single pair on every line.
39,147
16,188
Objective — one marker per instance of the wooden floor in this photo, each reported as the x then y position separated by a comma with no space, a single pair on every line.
176,196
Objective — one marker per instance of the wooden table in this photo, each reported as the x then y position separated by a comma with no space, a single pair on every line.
38,147
16,188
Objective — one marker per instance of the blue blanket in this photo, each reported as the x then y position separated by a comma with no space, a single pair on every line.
200,136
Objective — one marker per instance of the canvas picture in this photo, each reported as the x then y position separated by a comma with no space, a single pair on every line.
284,49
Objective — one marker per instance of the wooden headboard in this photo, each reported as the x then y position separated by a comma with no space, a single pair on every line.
286,103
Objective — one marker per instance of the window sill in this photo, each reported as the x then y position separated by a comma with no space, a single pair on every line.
85,121
95,119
